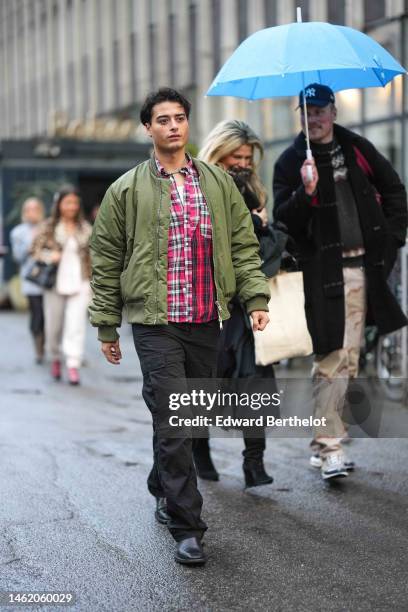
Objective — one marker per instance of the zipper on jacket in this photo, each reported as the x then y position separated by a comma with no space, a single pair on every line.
219,312
157,256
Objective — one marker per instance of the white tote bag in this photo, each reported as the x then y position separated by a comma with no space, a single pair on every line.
286,334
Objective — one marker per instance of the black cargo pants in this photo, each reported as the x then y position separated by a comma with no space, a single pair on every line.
168,355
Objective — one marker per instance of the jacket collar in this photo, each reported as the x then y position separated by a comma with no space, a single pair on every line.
187,168
342,134
159,172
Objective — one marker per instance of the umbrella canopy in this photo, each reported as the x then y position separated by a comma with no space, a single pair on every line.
281,61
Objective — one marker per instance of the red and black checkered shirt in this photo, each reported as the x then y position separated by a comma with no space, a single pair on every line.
190,279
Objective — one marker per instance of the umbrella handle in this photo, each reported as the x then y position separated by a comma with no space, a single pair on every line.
309,171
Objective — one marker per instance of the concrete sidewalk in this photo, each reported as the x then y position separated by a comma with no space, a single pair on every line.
75,514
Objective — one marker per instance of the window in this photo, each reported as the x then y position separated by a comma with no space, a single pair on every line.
23,104
133,66
131,12
153,11
43,12
69,29
71,90
152,55
20,18
33,103
98,23
373,10
242,15
336,11
45,99
216,33
31,15
192,41
387,138
172,48
57,89
85,85
114,19
116,73
151,6
270,9
100,60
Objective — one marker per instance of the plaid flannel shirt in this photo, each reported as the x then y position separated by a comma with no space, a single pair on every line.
190,278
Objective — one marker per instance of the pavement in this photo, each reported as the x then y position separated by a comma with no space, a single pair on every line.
75,514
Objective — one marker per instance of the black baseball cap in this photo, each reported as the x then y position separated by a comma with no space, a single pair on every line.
316,94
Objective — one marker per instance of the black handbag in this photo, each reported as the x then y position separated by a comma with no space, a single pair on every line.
42,274
272,244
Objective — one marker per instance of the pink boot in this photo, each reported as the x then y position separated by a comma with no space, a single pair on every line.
73,376
56,369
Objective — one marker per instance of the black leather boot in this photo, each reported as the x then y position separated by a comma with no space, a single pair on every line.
190,552
254,472
202,459
161,511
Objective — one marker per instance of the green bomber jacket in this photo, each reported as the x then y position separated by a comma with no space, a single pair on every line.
129,249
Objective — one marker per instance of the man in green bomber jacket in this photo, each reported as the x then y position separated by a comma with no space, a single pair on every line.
172,243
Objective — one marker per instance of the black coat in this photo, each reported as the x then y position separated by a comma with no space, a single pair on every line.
316,232
236,350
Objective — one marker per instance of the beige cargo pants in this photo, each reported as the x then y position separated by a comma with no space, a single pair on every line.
331,372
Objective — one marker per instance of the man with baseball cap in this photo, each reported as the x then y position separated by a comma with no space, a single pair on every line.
317,95
348,217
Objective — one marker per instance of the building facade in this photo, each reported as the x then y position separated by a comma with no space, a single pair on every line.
80,68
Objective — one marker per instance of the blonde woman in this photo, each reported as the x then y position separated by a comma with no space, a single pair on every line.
64,240
21,238
234,146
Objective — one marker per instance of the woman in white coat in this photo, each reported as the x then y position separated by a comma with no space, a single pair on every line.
64,240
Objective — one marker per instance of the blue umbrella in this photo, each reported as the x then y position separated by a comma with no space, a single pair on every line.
283,60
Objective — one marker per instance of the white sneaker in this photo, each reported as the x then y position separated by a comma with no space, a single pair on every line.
316,461
333,466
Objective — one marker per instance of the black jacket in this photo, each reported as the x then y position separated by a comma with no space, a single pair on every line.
316,232
236,351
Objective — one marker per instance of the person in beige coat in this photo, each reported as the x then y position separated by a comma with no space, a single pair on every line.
64,240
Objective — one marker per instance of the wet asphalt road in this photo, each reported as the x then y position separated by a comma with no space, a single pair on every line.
75,514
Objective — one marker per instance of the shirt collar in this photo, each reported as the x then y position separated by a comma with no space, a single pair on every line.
188,167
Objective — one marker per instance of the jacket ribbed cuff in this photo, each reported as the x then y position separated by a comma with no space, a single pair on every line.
258,302
107,333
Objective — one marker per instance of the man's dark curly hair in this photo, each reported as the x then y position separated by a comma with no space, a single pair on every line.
164,94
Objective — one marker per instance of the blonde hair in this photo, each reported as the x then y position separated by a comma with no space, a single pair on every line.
29,201
225,138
